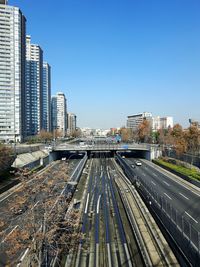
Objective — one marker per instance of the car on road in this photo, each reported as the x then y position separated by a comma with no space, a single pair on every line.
138,163
19,211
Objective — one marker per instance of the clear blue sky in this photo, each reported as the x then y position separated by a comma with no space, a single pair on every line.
114,58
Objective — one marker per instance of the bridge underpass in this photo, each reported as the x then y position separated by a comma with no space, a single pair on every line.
134,150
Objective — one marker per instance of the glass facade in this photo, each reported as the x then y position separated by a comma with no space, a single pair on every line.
12,69
46,97
59,113
34,88
71,121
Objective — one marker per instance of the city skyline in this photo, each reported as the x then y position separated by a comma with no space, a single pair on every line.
113,59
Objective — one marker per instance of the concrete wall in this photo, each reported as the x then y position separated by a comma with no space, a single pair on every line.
156,152
29,159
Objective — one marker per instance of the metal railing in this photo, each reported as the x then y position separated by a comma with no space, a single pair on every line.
77,172
183,233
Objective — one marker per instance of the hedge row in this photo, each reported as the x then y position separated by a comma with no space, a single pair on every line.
191,173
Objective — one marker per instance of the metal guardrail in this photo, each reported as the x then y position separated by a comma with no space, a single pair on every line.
163,255
179,228
77,172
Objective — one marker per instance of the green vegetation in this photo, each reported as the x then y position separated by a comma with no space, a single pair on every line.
191,173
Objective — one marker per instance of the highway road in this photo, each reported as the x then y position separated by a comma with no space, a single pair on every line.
176,202
105,241
185,200
115,230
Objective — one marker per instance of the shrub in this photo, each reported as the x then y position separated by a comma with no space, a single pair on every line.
191,173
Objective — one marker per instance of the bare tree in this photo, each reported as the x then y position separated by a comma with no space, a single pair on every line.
44,227
7,157
45,136
192,137
144,131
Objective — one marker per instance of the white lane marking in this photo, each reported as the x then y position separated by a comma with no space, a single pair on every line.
86,206
97,255
191,217
22,258
183,196
109,255
98,203
174,179
155,174
10,233
128,255
153,183
35,205
166,183
167,196
7,196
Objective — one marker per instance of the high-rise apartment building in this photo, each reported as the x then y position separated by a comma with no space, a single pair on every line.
133,121
71,122
46,125
59,113
34,88
12,72
53,113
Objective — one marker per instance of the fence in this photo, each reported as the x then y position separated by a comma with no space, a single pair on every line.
189,158
184,233
77,172
179,227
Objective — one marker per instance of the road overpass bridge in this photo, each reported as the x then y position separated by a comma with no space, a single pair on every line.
146,151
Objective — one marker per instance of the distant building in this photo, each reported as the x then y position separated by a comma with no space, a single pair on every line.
12,73
162,123
46,125
59,113
3,2
194,123
113,131
72,123
166,122
53,113
34,88
134,121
